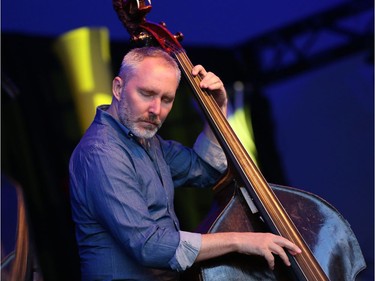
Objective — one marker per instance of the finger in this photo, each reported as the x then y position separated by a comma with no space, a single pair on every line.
211,85
270,259
291,247
198,69
293,253
211,82
276,249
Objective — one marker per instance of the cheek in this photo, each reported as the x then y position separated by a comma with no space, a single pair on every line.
133,105
165,111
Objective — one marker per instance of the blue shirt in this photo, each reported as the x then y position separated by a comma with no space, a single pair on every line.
122,201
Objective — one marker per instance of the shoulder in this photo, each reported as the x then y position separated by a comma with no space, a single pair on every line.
102,147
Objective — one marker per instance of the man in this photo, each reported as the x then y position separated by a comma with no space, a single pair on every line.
123,176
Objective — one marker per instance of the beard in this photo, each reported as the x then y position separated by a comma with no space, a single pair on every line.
137,124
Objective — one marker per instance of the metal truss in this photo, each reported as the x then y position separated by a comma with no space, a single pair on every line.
310,43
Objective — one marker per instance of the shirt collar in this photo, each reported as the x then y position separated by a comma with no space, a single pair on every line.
103,117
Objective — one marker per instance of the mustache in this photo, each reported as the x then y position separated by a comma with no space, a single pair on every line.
152,118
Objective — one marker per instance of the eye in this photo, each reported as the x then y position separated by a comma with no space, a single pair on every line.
145,93
167,100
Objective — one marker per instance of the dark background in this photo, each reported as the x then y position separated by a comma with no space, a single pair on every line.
308,74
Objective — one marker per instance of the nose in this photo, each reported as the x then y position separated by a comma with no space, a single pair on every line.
155,106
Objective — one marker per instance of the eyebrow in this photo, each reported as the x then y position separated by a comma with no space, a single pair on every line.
154,93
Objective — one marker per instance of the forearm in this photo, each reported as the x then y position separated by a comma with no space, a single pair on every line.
249,243
217,244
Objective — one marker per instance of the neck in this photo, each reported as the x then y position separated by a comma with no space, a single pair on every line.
112,109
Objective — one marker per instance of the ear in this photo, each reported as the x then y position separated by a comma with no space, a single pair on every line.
117,85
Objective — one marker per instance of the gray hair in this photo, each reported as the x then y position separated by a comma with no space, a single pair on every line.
135,56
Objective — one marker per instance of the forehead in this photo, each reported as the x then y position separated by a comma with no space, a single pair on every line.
156,62
156,69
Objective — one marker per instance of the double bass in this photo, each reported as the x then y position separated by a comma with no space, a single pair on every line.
245,201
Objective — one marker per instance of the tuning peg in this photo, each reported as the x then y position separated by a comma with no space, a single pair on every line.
179,36
141,38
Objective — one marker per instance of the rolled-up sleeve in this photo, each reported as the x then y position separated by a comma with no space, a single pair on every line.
187,251
210,152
